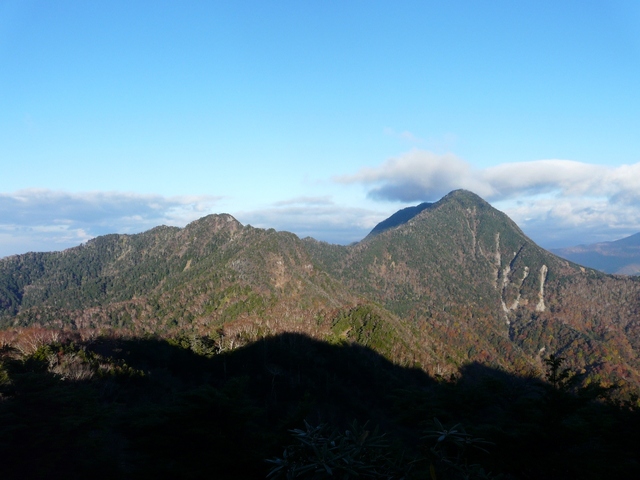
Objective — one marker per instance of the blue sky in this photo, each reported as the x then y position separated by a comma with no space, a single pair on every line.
317,117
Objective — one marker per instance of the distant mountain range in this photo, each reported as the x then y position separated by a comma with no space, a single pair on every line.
435,286
619,257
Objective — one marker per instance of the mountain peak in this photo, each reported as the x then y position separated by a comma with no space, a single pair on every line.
215,223
463,197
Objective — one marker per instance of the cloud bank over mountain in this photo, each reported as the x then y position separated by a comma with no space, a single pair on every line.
421,175
557,202
40,219
45,220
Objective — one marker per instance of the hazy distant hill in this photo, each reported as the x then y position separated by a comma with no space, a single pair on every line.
621,256
439,286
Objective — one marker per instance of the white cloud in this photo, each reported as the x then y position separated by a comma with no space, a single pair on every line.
564,221
542,176
558,201
43,220
321,220
416,176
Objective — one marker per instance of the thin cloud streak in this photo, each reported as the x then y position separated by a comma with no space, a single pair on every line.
323,200
327,222
405,135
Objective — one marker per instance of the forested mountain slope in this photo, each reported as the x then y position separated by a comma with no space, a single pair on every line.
452,282
213,278
478,289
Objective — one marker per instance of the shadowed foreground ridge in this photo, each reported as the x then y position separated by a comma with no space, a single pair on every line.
137,408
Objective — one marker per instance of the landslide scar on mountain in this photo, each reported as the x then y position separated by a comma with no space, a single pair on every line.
496,271
472,223
543,277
